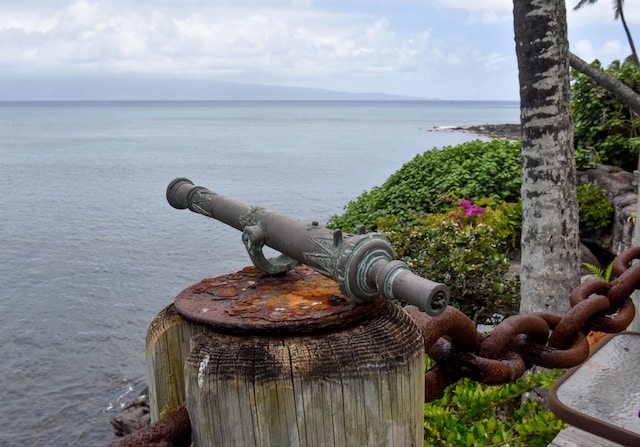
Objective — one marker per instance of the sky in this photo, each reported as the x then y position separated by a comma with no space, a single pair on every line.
436,49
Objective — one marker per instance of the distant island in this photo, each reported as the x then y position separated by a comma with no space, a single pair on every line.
146,89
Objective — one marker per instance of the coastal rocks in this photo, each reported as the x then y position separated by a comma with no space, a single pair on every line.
621,188
133,416
510,131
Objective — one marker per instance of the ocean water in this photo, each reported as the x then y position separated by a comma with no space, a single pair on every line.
90,251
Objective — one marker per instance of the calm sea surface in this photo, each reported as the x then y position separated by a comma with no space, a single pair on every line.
90,251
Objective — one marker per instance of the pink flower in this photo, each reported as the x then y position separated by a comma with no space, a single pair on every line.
470,209
464,203
475,211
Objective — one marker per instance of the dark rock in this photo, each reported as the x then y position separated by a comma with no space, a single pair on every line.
511,131
587,256
133,416
621,188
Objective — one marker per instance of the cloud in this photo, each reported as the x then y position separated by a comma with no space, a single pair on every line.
494,62
90,37
292,42
584,49
488,18
483,12
477,5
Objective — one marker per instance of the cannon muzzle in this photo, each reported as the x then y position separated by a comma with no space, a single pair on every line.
363,265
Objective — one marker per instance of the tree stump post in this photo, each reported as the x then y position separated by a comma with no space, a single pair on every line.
287,361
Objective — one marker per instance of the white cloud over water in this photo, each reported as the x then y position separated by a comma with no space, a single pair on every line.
441,48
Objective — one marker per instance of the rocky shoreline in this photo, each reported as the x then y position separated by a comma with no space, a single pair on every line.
133,416
507,130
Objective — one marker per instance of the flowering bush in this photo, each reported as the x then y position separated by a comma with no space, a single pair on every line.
472,170
464,248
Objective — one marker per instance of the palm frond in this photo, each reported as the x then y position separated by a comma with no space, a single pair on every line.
583,3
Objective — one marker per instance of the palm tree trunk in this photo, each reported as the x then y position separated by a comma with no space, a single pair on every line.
634,54
550,241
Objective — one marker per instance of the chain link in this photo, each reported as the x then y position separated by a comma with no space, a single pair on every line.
521,341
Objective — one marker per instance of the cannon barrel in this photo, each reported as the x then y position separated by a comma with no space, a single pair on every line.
363,265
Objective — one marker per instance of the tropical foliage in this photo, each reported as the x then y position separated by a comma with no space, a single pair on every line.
472,414
462,241
465,248
605,131
471,170
596,211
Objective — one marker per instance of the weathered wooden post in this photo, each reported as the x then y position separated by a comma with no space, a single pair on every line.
286,360
267,358
167,347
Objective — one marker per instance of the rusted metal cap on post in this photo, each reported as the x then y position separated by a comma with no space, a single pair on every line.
249,301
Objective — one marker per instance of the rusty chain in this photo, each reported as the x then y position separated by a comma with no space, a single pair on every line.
522,341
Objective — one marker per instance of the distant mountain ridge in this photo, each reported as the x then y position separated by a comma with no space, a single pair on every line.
143,89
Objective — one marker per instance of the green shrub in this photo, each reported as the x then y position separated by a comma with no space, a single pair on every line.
506,221
472,414
595,209
472,170
605,130
466,251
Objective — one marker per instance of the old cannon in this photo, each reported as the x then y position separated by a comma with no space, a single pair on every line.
364,265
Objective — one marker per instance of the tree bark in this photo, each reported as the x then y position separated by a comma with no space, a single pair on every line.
550,240
617,88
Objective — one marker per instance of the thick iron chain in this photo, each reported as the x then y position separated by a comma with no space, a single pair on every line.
521,341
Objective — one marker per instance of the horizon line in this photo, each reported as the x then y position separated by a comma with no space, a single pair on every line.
258,100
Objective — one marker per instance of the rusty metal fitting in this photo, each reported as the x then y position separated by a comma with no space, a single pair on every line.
300,301
173,430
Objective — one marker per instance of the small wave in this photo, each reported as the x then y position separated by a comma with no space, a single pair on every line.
118,402
446,128
124,392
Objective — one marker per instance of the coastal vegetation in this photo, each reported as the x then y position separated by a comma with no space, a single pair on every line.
426,184
594,206
454,215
